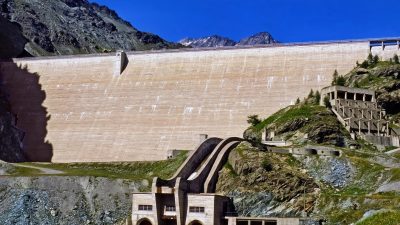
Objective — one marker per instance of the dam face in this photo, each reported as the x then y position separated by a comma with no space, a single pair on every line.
162,100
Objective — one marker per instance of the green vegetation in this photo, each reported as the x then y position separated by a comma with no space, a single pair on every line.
253,120
23,171
124,170
338,80
386,218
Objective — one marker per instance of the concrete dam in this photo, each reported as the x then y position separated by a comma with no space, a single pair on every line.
102,108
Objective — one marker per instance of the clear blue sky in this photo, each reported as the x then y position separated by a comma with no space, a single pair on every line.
286,20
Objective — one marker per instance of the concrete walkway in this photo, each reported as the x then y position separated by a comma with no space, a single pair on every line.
397,150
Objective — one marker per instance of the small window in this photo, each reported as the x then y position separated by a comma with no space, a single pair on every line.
195,209
145,207
170,208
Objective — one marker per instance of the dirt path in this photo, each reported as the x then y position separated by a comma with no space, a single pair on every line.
43,170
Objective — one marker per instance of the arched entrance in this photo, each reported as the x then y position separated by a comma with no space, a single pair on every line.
195,222
144,222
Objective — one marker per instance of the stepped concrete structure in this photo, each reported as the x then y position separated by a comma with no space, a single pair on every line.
359,113
142,105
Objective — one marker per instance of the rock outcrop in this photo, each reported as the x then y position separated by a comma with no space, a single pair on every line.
64,200
64,27
262,38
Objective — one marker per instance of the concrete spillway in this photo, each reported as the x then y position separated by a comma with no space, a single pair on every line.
80,109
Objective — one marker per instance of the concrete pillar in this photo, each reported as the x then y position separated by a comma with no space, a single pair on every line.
398,44
359,127
263,222
121,62
364,97
249,222
355,96
345,95
369,126
377,125
383,46
203,137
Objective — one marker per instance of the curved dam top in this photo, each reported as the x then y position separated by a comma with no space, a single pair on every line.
84,109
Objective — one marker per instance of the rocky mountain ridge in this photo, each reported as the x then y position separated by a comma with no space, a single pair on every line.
261,38
65,27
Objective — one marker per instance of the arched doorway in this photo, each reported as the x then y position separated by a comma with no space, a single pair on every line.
195,222
144,222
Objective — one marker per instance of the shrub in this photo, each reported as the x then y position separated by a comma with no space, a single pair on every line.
297,101
364,64
341,81
267,165
396,59
327,103
253,120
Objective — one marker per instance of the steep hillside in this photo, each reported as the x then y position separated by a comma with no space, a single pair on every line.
261,38
341,190
384,78
63,27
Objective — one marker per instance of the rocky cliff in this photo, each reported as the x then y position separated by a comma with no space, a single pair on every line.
10,135
12,40
64,27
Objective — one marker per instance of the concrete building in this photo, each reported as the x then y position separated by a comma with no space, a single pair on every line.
359,113
139,106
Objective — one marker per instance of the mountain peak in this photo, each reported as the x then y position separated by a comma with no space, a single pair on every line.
260,38
206,42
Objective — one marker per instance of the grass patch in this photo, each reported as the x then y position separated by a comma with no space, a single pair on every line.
125,170
291,113
386,218
23,171
395,174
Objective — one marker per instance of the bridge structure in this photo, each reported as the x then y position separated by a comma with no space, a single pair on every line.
188,198
139,105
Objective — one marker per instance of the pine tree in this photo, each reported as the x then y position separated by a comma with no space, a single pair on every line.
335,76
341,81
311,94
376,59
370,59
317,97
396,59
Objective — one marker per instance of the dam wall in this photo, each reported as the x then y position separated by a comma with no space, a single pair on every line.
78,109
